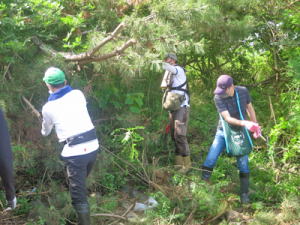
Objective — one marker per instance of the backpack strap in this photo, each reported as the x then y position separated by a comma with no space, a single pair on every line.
179,88
238,103
224,131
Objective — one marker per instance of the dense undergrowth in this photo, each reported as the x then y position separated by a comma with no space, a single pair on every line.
255,42
139,156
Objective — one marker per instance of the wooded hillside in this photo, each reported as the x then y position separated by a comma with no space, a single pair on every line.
112,51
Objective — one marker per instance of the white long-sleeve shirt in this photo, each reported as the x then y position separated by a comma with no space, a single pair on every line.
179,78
70,117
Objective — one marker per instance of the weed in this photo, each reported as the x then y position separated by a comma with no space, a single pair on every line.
24,207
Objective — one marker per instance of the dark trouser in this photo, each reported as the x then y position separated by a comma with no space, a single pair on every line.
78,168
178,128
6,160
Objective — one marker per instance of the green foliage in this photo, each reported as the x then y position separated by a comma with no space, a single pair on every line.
2,199
124,96
130,142
24,206
165,205
113,182
109,203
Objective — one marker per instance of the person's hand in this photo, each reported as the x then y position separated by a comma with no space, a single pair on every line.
251,126
257,133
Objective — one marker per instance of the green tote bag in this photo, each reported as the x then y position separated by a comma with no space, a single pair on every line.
237,138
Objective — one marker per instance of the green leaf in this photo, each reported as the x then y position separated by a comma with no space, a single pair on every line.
129,101
116,104
139,127
134,110
103,103
106,93
139,101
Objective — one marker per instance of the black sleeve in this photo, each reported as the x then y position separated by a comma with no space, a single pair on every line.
5,146
6,159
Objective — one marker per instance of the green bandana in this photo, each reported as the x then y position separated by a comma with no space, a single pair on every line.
54,76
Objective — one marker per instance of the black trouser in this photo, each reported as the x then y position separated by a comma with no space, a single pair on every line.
78,168
6,160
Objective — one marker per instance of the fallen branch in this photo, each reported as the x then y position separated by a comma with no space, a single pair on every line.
216,217
12,218
59,212
34,193
106,187
109,215
137,175
129,208
123,214
186,222
172,216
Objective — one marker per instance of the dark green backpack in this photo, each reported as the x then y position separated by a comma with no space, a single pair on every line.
237,138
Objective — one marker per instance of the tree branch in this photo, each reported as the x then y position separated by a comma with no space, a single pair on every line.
32,108
195,68
88,57
109,55
267,81
292,3
43,47
106,40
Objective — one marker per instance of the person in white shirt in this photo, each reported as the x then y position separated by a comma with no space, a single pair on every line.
179,119
66,109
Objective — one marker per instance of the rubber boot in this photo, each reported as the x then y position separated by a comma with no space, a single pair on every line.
187,165
206,174
178,162
244,178
83,213
11,204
